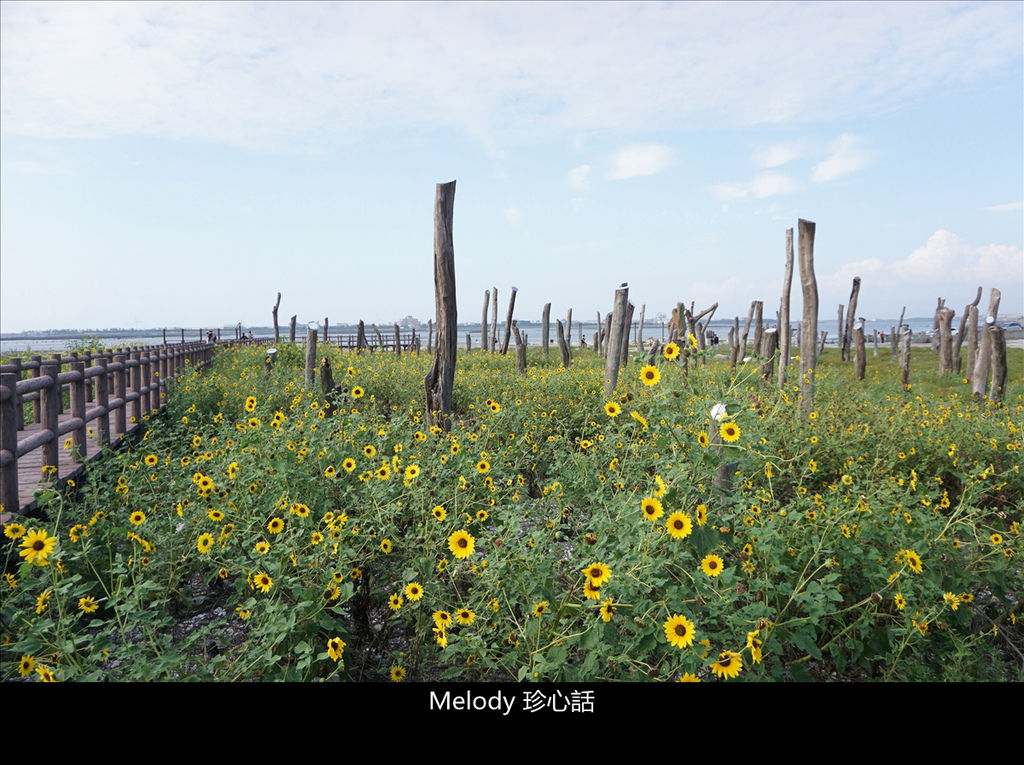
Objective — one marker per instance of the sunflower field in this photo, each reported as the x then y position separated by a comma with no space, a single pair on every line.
692,527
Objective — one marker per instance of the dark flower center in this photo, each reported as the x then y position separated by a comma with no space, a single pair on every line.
462,543
38,545
681,630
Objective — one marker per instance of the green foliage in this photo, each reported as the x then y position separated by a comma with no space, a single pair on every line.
252,528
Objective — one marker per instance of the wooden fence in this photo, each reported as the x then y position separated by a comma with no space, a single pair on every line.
113,389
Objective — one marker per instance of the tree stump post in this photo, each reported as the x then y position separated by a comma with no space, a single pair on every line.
508,321
983,362
311,334
277,329
483,321
809,323
9,406
945,340
430,335
784,331
935,326
520,350
599,335
613,358
380,337
326,336
850,314
291,330
963,325
492,344
769,344
998,363
544,329
972,337
441,377
821,345
361,343
905,356
563,349
746,331
758,325
627,324
398,341
639,329
859,357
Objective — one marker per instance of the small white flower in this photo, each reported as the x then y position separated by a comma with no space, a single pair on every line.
718,412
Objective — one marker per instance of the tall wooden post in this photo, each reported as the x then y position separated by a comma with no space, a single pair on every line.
935,325
310,353
492,344
508,321
327,338
520,351
277,329
809,324
613,358
640,329
563,348
430,335
746,331
998,363
963,326
972,338
859,359
9,405
784,333
627,324
850,314
769,344
483,321
544,328
291,329
599,337
945,340
758,324
398,340
981,365
441,377
905,355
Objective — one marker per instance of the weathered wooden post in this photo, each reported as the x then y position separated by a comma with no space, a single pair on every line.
734,343
120,392
563,348
640,329
361,337
311,334
327,338
568,332
613,358
508,321
981,365
380,337
905,356
398,341
469,342
544,328
599,336
972,338
440,379
758,325
50,396
963,326
821,345
850,314
606,335
277,329
935,325
897,333
291,330
492,343
483,321
746,331
874,339
945,316
103,401
520,351
784,332
809,324
839,328
998,363
859,358
78,436
627,324
769,344
430,335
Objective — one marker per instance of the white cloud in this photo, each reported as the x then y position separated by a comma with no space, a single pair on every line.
635,161
297,76
579,177
848,156
762,185
1008,207
777,155
512,214
945,263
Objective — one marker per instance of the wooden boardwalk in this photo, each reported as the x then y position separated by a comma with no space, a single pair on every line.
54,412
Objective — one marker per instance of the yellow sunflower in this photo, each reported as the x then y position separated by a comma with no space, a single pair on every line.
36,546
728,665
598,574
335,648
262,582
461,543
204,543
679,631
679,525
397,674
464,616
712,565
652,508
650,375
439,512
729,431
671,351
414,591
612,409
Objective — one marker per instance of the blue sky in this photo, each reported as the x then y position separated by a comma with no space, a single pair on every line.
178,164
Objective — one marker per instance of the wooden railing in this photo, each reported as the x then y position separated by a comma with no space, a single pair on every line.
119,385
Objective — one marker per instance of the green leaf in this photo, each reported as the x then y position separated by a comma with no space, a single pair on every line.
800,673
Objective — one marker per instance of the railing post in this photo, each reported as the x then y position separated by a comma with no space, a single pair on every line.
121,413
51,397
159,357
147,382
103,400
19,411
136,383
37,414
9,442
78,444
60,397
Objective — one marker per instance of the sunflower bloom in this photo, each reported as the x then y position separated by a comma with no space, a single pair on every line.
671,351
36,546
712,565
262,582
204,543
464,616
335,648
414,591
650,375
612,409
651,507
26,665
679,525
461,544
598,574
607,609
397,673
679,631
729,431
728,665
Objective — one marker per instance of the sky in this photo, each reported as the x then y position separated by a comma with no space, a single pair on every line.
178,164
